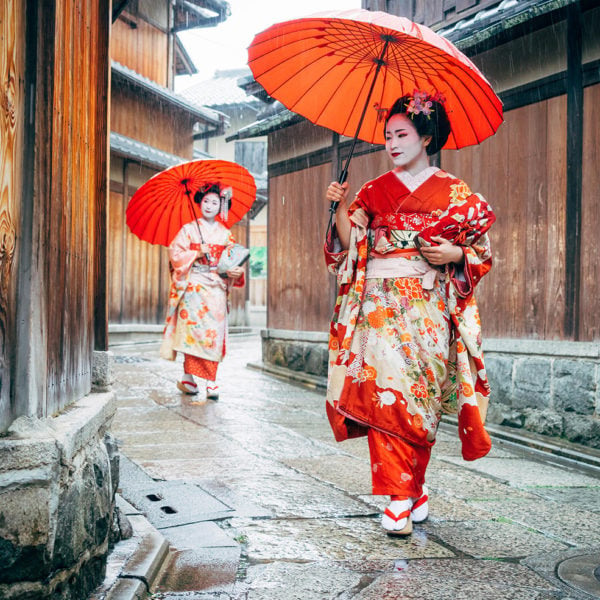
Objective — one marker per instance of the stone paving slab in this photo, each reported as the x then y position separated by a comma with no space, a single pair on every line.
244,506
550,518
193,449
518,472
450,479
459,579
299,497
276,581
347,473
577,498
357,539
492,539
277,442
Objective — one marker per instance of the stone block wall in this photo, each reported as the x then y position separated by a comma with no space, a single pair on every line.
551,388
298,351
58,479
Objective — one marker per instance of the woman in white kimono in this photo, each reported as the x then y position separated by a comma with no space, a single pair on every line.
196,323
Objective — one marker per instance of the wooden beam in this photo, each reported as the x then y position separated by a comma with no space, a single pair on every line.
574,170
101,169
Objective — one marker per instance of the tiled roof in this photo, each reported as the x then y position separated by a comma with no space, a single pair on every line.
148,155
222,90
488,23
208,115
189,14
276,117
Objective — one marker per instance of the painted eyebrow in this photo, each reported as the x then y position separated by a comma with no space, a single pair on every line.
396,130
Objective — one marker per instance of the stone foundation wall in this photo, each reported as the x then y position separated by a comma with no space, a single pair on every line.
58,479
551,388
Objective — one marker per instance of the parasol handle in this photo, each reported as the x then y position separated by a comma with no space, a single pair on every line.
189,195
344,173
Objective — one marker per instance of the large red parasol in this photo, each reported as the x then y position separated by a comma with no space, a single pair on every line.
164,204
343,70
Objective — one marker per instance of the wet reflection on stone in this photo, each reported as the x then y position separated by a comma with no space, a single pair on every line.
305,525
357,539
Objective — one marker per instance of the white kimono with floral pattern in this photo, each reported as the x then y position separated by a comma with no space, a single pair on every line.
196,322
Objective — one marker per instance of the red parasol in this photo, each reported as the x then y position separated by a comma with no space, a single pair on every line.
343,70
164,204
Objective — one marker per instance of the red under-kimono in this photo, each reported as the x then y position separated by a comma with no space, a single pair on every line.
405,339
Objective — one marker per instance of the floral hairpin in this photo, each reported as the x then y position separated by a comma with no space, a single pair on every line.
422,103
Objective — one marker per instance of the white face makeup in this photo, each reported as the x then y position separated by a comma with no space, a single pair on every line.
403,144
210,206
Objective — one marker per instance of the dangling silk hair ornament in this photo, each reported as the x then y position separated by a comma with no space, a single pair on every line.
226,194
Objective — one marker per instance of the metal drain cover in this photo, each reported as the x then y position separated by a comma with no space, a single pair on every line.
582,573
169,504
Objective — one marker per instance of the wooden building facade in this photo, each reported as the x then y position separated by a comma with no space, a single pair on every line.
152,128
539,172
57,461
52,206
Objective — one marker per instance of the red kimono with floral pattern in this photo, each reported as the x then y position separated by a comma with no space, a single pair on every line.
405,348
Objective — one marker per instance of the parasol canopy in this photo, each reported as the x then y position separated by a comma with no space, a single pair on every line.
344,70
164,204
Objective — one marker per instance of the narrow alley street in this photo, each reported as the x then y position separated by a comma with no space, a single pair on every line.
257,501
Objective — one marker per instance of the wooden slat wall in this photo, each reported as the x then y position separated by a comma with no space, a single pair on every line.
238,296
135,115
300,290
12,34
66,236
139,272
522,173
143,49
590,255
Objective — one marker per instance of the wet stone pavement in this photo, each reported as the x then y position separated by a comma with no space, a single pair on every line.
258,501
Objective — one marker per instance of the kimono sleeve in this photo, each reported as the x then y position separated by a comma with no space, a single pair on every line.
465,223
335,255
182,254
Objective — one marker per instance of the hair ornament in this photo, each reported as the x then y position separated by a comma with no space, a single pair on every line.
421,103
226,194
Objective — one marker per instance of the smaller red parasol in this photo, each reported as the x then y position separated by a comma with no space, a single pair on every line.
164,204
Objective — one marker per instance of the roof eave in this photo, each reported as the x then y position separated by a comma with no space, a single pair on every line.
266,126
475,35
189,14
209,116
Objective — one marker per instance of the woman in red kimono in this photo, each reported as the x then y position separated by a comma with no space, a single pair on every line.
196,323
405,339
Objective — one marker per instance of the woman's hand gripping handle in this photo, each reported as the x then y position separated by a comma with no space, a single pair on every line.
337,196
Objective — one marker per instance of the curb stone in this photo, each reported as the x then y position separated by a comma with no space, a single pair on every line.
142,567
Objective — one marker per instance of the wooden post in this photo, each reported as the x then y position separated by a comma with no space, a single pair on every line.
574,171
101,169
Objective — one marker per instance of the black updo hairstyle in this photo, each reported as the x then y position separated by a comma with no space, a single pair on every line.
435,125
207,188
